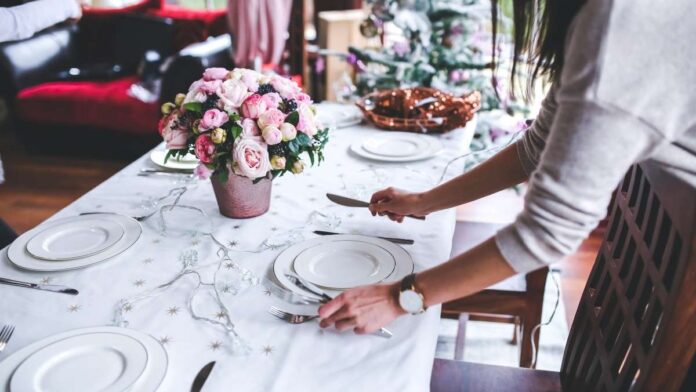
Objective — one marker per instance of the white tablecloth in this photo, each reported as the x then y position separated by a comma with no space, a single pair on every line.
283,357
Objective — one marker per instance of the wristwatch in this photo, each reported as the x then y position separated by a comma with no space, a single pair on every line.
410,299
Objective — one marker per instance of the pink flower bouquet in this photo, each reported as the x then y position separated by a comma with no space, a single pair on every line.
256,126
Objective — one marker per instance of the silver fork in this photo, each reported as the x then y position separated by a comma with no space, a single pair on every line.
290,317
5,335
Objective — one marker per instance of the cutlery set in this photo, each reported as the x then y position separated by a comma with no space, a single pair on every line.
348,202
5,335
46,287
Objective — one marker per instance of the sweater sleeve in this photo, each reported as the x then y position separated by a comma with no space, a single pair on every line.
531,145
587,152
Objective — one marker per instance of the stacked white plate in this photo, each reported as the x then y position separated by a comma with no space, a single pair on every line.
397,147
74,242
187,162
106,359
340,262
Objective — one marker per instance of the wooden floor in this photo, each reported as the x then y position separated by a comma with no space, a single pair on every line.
37,186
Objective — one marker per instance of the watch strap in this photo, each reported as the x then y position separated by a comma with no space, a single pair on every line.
408,283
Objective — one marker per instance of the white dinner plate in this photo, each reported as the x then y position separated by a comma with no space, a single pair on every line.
19,256
149,381
187,162
75,239
397,144
397,147
284,262
100,361
344,264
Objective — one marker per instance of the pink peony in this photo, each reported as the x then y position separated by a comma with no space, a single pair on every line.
205,148
196,93
176,139
251,81
272,100
288,131
250,158
271,135
212,119
271,117
249,128
307,122
211,86
202,172
287,88
253,107
215,74
232,94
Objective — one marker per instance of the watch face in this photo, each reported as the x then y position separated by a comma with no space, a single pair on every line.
411,301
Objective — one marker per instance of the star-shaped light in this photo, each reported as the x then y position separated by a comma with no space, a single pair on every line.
232,244
221,314
227,289
312,199
214,346
195,242
351,215
236,227
46,280
173,310
165,339
148,260
156,241
274,228
139,283
229,265
267,349
267,292
73,308
98,206
127,307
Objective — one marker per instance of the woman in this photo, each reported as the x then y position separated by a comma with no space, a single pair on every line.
623,92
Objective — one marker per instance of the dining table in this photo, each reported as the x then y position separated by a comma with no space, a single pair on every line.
266,353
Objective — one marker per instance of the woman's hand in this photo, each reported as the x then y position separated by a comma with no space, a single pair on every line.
396,204
364,309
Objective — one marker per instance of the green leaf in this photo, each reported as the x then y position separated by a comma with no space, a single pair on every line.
223,175
303,139
293,118
169,154
236,131
311,156
293,146
194,107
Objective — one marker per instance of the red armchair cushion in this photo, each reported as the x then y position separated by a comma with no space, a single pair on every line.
103,104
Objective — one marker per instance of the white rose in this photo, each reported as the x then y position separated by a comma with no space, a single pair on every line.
250,158
233,93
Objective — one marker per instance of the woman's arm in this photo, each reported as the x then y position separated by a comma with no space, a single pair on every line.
25,20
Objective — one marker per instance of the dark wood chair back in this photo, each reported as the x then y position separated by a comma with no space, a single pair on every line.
635,328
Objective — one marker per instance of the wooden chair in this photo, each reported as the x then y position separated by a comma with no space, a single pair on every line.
635,328
518,300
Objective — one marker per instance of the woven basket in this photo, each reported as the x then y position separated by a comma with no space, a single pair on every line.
420,109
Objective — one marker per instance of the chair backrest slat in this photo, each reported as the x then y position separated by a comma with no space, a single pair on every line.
635,328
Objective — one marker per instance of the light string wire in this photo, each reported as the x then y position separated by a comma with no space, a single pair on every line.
537,328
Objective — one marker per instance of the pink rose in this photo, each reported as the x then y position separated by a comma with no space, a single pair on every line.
211,86
303,98
271,135
212,119
251,81
253,107
250,158
272,100
306,123
287,88
205,148
196,93
249,128
176,139
288,131
232,93
202,172
215,74
271,117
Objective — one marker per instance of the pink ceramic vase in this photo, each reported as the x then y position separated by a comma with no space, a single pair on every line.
239,197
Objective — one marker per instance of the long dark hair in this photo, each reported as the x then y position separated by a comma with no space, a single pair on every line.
544,48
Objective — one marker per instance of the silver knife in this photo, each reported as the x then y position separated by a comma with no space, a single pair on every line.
46,287
310,287
201,377
402,241
348,202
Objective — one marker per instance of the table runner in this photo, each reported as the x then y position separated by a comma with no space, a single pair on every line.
282,356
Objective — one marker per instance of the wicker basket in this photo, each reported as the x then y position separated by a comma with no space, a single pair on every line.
420,109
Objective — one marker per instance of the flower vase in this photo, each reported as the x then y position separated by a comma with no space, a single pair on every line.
239,197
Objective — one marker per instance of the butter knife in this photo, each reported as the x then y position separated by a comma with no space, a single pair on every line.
202,377
348,202
402,241
45,287
310,287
